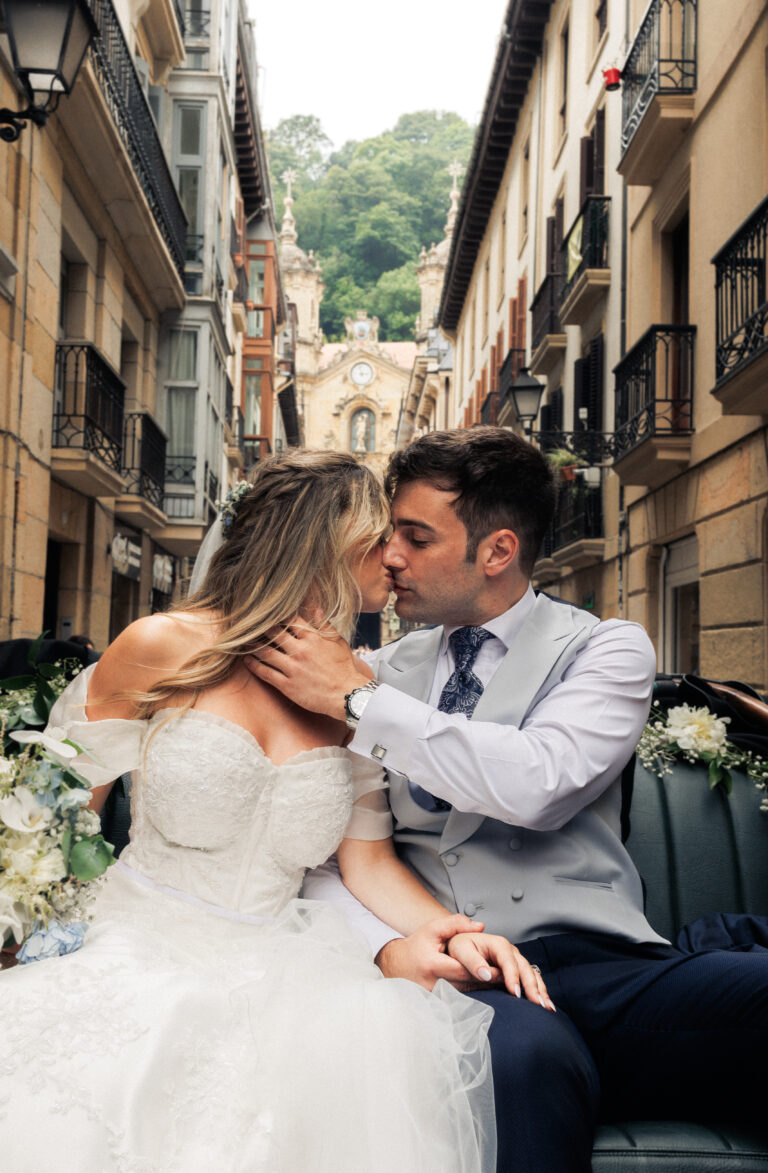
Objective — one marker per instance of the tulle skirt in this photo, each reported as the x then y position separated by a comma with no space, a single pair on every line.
178,1040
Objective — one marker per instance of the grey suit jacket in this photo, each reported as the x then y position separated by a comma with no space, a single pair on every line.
522,883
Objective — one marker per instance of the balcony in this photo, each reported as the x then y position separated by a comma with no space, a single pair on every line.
255,448
741,355
141,504
111,129
508,372
584,262
659,82
163,26
239,298
654,402
577,527
87,439
193,264
548,338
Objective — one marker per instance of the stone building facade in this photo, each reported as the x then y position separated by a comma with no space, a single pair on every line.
122,309
613,242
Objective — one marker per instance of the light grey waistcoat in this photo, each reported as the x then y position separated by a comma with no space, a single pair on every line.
522,883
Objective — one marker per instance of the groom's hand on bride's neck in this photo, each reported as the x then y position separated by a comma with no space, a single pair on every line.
314,667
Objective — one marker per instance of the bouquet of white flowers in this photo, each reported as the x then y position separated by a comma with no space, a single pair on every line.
697,736
51,847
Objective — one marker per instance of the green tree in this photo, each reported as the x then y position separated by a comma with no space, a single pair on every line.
367,208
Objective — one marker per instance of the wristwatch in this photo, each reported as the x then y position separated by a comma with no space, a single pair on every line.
356,700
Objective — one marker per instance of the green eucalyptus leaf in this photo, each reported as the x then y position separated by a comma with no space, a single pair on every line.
12,683
715,774
44,689
48,671
91,857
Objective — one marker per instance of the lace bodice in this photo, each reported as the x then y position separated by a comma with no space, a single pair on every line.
211,815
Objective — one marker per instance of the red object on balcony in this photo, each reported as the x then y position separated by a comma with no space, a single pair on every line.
612,77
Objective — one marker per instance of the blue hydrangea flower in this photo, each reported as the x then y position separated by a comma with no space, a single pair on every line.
54,941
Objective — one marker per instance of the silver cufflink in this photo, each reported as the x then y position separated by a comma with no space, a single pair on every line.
378,752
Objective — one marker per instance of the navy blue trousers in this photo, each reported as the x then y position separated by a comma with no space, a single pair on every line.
642,1032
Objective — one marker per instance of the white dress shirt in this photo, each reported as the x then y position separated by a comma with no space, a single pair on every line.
570,748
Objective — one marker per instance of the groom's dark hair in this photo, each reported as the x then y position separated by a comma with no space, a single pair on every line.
500,481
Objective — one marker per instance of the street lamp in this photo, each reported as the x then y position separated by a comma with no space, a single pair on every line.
48,40
526,393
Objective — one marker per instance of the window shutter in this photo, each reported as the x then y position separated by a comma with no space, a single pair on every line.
551,253
556,402
594,389
598,166
586,170
580,382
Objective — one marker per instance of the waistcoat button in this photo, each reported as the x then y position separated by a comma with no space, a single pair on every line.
515,843
451,859
470,909
517,893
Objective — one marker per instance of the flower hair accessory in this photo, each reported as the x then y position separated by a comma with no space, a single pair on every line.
229,506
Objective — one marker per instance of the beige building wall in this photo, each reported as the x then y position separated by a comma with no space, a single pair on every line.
677,530
92,272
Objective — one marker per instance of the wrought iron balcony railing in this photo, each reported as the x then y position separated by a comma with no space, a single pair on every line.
489,411
578,515
180,470
144,457
586,245
654,387
545,307
133,119
197,22
662,60
741,293
588,447
90,400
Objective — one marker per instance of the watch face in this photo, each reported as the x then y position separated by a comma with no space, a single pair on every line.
361,374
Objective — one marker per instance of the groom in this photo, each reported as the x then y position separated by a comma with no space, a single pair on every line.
504,731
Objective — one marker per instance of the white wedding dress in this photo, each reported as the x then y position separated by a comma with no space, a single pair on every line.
213,1022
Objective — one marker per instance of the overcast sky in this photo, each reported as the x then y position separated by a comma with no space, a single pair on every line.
359,66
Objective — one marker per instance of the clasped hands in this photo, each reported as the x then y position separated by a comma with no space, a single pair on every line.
456,949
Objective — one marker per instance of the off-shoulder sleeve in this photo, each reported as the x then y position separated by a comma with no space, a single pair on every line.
116,743
371,817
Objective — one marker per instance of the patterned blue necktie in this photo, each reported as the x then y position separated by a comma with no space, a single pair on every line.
461,693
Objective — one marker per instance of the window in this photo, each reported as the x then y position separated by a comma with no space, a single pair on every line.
486,296
601,20
197,18
253,404
255,328
180,425
362,431
502,254
563,104
592,170
189,147
680,606
256,270
182,364
588,388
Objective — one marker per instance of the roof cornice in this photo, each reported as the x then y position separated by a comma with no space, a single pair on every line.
518,50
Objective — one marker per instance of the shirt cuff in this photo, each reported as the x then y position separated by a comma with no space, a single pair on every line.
391,724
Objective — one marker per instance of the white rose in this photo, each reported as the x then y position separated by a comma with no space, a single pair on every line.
33,859
48,868
697,730
21,811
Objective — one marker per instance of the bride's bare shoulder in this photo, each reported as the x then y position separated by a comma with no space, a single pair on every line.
148,650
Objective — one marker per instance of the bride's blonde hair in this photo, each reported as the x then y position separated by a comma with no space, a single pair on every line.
292,548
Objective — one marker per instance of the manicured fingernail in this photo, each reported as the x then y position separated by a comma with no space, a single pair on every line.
543,1002
484,973
476,924
552,1006
518,992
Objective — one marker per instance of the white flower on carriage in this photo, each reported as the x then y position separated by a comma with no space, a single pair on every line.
697,731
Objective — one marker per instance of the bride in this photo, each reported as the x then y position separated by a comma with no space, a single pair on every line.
214,1020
